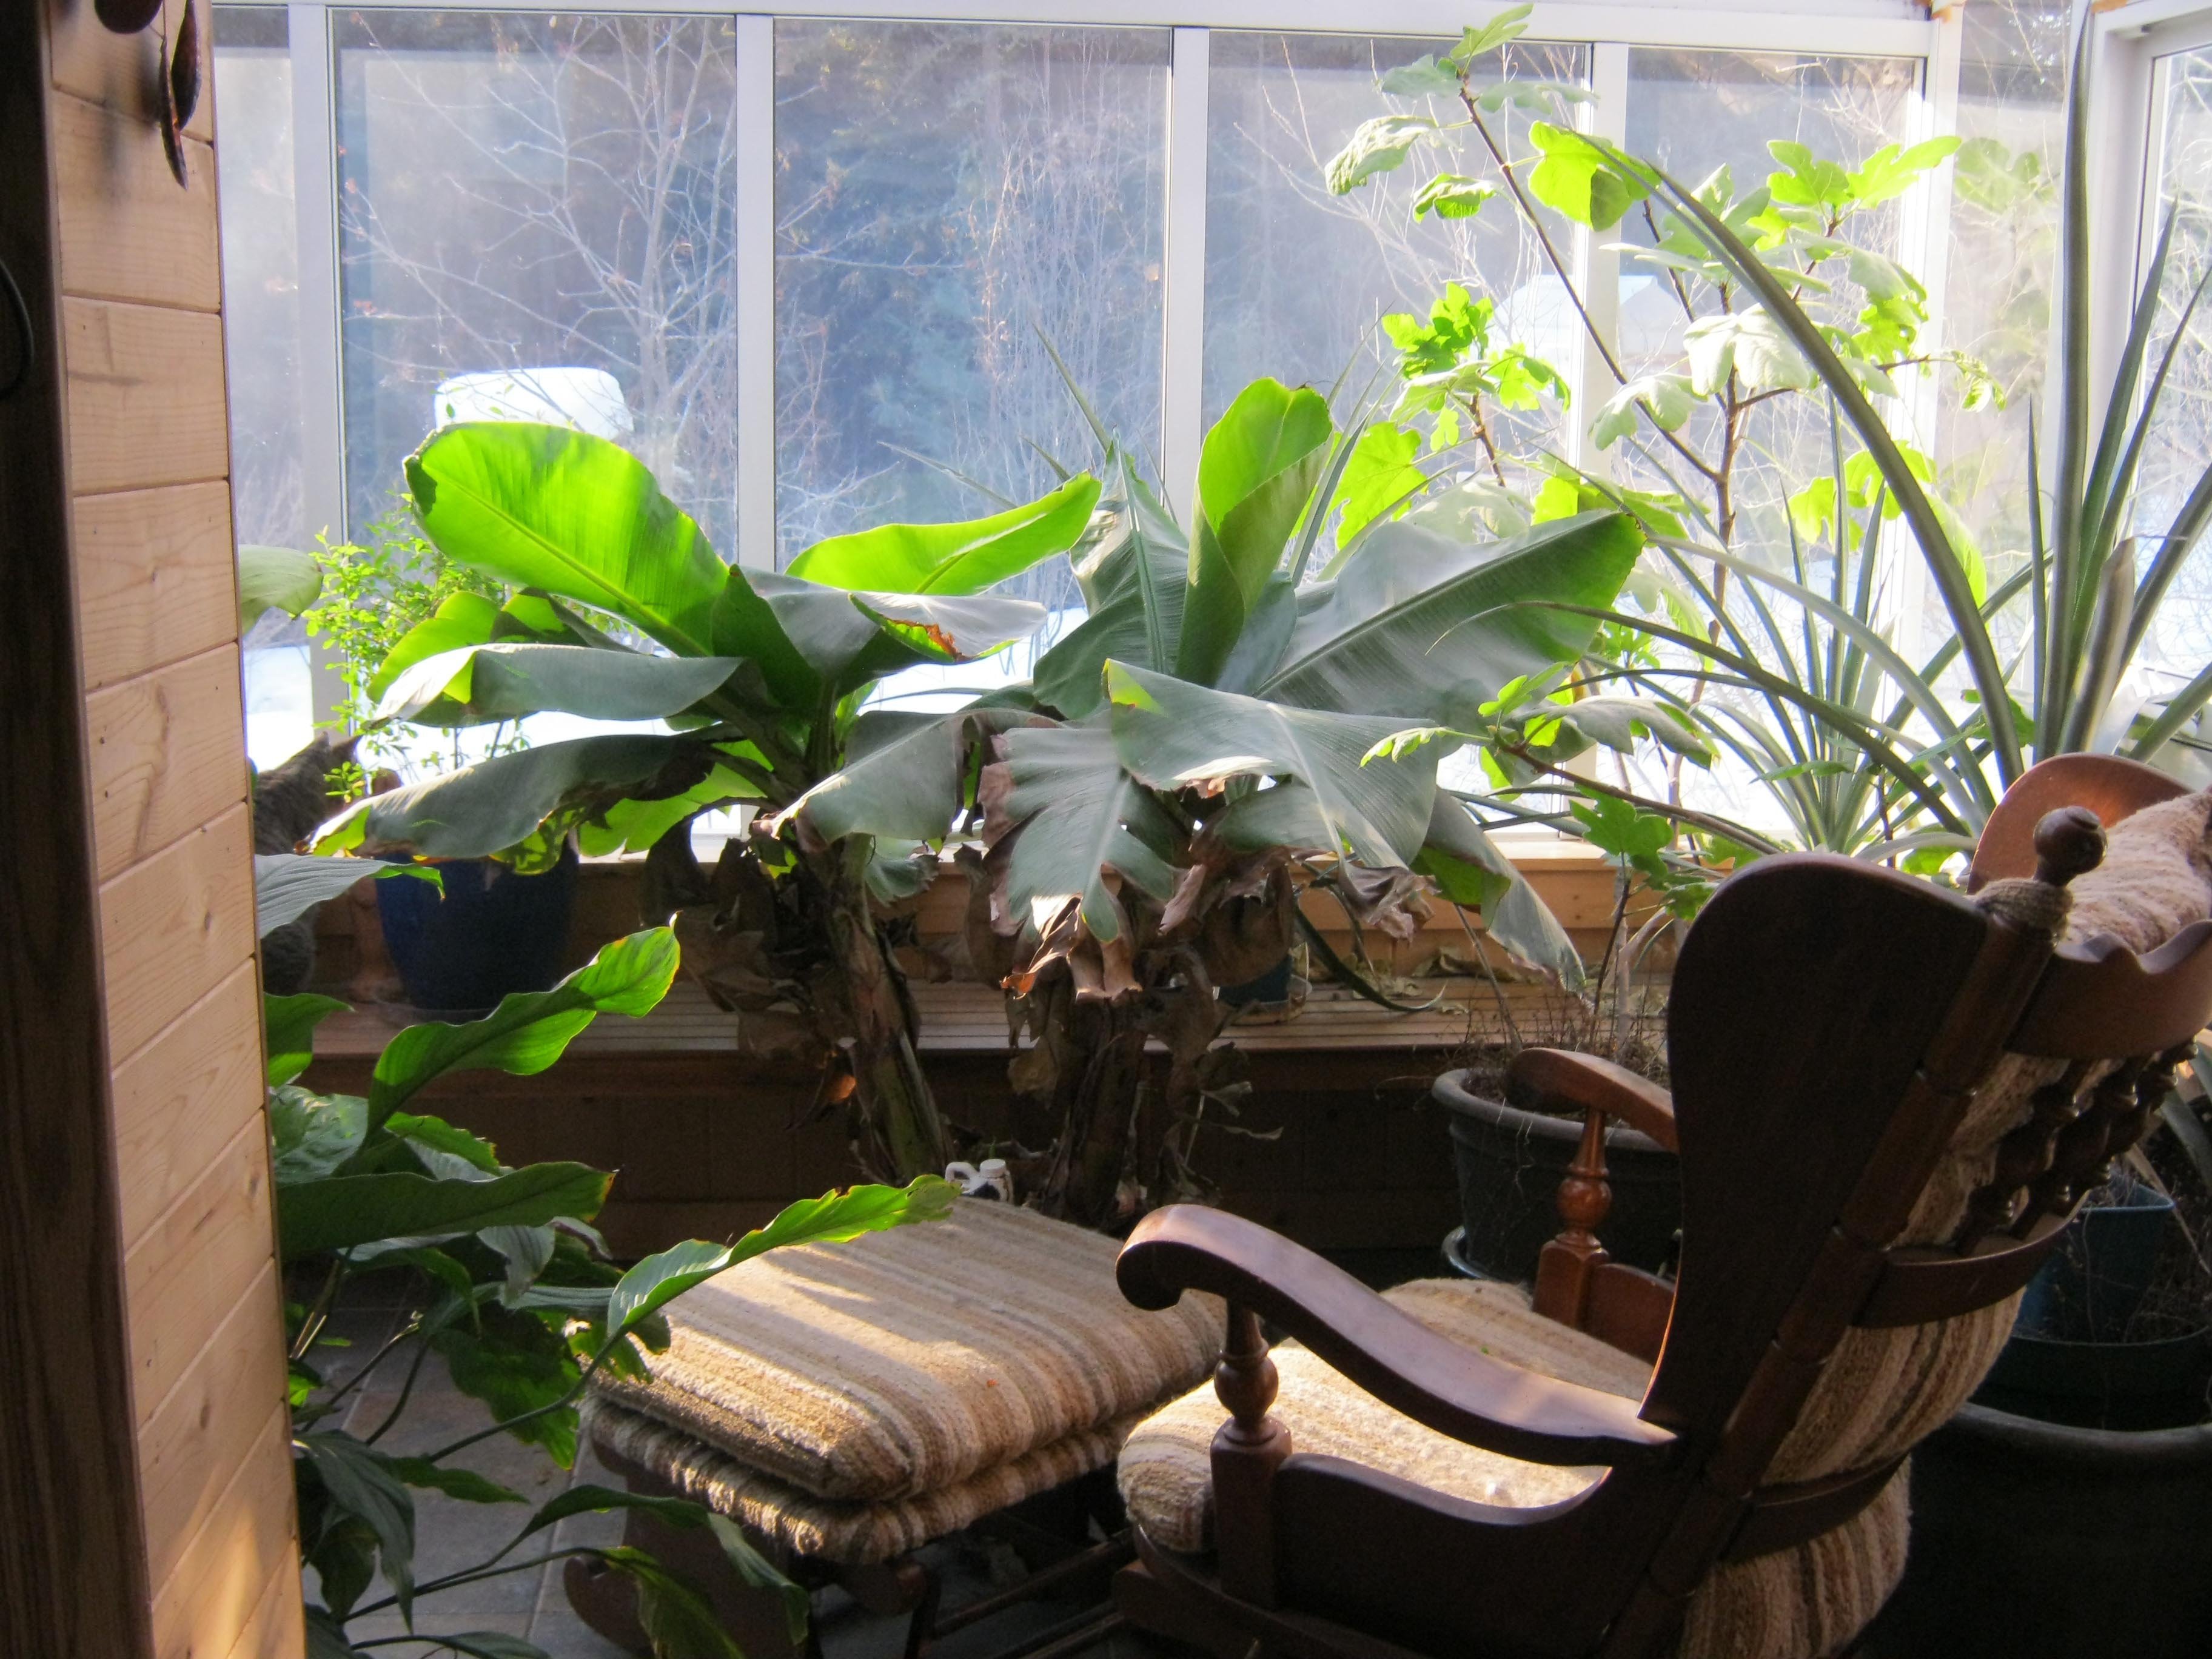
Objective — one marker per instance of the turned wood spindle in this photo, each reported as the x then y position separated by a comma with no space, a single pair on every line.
2021,1156
1248,1450
2068,842
1567,1263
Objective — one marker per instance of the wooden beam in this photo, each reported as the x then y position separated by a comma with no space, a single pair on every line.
73,1581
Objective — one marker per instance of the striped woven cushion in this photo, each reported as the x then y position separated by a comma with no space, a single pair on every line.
908,1361
850,1534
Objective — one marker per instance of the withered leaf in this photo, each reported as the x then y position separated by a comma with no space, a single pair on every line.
184,68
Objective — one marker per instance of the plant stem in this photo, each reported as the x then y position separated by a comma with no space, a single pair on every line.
406,1388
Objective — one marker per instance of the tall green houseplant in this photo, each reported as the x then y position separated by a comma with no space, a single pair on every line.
625,612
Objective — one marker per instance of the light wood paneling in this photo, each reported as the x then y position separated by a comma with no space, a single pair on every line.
119,71
155,579
184,1276
173,925
145,396
278,1628
204,1432
215,1591
127,231
167,756
182,1098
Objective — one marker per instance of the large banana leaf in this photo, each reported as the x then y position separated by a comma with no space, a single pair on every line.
1254,474
1061,813
466,618
498,803
1170,733
1136,583
905,775
1468,868
1423,626
847,638
953,558
548,508
479,683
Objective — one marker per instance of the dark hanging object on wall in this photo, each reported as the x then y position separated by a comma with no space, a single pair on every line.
126,16
173,124
184,68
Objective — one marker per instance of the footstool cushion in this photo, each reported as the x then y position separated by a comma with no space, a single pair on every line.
854,1400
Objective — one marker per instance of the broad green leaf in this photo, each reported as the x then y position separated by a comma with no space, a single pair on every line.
1073,812
1452,195
1254,474
1750,344
1891,171
275,578
547,507
1169,735
588,1499
832,1218
476,685
464,1484
288,1024
1806,180
910,789
953,558
529,1029
1379,478
1468,868
287,885
1423,78
760,1574
848,638
1135,587
359,1482
678,1622
311,1134
516,1362
1536,97
1666,399
1377,146
491,1644
1579,180
462,618
444,1150
340,1211
633,826
1506,27
499,803
1428,628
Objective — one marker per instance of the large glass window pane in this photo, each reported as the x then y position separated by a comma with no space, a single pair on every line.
261,309
2179,642
1295,277
1694,112
954,203
2004,236
537,218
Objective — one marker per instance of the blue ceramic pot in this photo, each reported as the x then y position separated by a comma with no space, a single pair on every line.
492,932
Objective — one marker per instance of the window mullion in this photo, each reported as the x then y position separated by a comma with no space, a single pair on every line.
322,390
1182,333
755,117
1597,267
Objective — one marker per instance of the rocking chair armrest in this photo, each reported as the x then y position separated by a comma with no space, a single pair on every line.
1559,1078
1387,1352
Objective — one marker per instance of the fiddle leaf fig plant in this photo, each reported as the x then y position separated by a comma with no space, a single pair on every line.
623,611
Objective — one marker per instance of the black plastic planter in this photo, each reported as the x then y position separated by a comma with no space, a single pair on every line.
1511,1162
492,932
2036,1541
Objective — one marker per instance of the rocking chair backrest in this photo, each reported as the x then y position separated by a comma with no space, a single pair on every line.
1833,1025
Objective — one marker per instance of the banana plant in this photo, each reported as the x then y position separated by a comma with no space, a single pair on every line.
2092,586
1217,720
625,612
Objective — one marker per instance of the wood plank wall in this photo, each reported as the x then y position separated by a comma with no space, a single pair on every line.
136,298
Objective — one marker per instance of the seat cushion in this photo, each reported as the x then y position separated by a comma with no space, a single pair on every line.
907,1361
847,1533
1802,1603
1166,1472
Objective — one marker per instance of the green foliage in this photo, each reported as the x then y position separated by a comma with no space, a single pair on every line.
275,578
287,885
515,1294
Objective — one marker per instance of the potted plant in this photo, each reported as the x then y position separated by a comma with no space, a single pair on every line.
754,683
386,601
1221,733
506,1282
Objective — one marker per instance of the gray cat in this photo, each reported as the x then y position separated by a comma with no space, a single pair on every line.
288,801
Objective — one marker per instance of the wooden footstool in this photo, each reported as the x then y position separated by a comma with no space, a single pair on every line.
848,1403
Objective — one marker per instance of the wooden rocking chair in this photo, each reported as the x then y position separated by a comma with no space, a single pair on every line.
1888,1099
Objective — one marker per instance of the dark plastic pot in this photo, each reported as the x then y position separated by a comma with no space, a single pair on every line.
493,932
1511,1162
2038,1541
